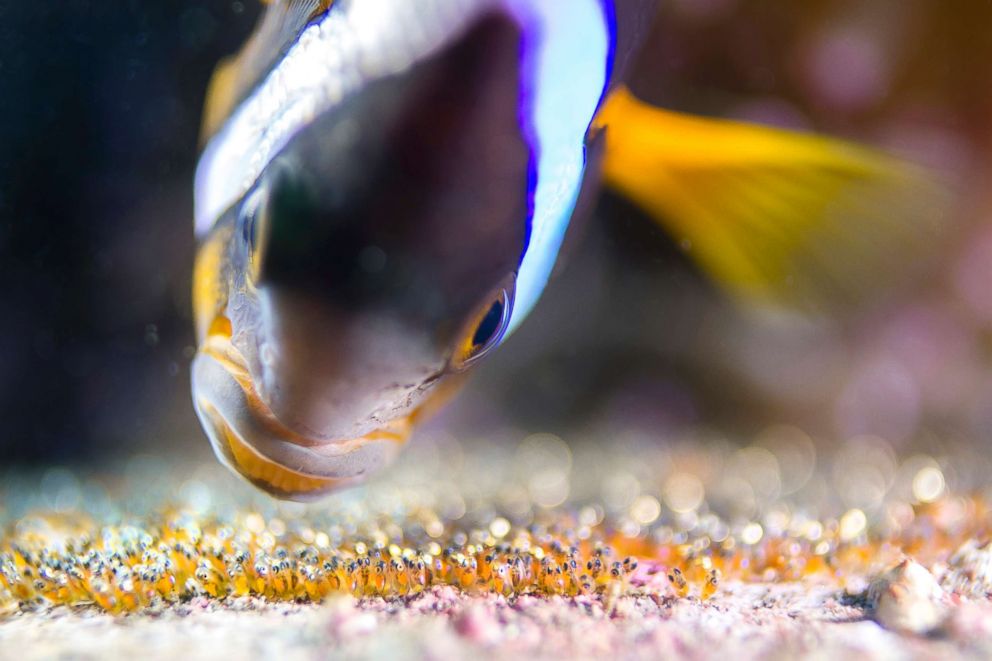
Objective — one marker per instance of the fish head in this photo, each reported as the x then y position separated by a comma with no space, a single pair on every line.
370,265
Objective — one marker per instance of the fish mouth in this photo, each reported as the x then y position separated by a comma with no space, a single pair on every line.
250,440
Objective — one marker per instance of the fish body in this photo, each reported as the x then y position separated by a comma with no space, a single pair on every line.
385,191
565,65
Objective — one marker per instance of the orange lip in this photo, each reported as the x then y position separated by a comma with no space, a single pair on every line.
249,439
265,473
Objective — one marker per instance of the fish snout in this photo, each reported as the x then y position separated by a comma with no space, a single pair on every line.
329,372
250,440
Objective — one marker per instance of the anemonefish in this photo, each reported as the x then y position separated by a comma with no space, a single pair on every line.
386,184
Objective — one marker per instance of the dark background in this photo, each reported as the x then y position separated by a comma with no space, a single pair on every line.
99,121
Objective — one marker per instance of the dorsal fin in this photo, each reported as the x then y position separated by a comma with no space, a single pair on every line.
235,77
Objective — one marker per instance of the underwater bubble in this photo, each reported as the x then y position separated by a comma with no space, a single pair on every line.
928,484
683,492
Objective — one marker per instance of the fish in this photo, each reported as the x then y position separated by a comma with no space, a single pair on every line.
385,187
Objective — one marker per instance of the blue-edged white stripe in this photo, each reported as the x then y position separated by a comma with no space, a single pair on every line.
567,50
357,41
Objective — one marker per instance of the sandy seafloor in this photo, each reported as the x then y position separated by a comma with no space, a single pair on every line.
744,621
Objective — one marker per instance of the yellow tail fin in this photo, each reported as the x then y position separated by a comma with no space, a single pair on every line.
774,215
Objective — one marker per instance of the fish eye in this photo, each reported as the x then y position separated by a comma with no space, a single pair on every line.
490,324
252,221
485,331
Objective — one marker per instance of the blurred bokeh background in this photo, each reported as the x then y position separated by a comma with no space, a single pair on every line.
99,119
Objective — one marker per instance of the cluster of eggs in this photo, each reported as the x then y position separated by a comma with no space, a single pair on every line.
123,569
171,557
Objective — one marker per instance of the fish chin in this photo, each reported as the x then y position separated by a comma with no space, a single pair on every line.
252,442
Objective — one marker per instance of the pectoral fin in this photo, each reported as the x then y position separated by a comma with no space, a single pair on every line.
773,215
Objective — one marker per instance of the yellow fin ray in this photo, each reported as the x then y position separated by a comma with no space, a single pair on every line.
774,215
